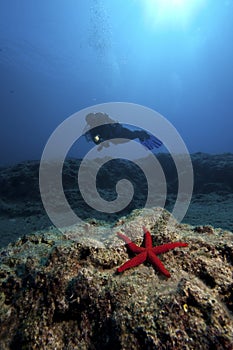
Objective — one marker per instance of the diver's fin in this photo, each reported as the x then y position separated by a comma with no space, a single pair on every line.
152,142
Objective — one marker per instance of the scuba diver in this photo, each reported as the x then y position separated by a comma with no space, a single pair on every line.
112,131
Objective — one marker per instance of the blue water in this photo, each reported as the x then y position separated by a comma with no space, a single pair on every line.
57,57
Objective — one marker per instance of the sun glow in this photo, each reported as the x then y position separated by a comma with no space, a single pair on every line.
171,12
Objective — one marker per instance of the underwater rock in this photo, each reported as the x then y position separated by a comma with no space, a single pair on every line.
60,293
22,211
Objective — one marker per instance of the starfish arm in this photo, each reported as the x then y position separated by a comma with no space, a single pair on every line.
168,246
137,260
132,246
148,238
157,263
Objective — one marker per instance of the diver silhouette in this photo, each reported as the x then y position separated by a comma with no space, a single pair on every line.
102,130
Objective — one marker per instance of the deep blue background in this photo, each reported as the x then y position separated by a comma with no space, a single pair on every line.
59,56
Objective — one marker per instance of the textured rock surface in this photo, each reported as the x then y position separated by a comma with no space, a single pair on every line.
57,293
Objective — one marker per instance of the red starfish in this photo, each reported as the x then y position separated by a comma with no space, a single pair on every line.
148,253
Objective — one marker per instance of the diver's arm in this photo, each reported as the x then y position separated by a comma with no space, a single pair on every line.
103,144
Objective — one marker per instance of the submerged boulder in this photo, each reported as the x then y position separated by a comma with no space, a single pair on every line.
60,292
